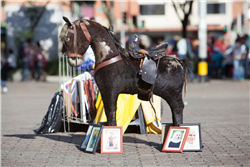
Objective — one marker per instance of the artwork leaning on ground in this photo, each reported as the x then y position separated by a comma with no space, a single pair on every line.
94,138
175,139
193,142
112,140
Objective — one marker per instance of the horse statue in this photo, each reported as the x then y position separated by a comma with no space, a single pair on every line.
116,71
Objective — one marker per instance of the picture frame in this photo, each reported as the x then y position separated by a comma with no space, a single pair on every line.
87,136
112,140
164,131
193,142
175,139
94,138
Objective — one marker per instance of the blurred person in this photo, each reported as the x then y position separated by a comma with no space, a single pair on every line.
190,54
219,43
217,64
176,140
39,63
9,66
182,48
238,52
3,84
28,51
246,63
172,47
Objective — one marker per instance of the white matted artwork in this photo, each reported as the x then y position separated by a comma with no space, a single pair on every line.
193,142
111,140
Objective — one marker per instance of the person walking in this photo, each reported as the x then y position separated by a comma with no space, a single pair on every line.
238,52
182,48
28,63
39,63
9,65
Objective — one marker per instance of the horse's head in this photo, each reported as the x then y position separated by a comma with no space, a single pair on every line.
76,40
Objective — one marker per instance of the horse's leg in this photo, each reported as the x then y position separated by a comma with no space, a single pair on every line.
176,104
109,101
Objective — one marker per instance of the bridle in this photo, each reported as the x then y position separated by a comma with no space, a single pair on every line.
87,35
75,55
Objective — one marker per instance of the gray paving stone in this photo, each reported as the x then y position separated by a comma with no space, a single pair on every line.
223,115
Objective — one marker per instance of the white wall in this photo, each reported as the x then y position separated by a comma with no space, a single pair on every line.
171,20
46,31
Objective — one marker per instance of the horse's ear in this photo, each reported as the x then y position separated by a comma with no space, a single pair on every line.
67,20
111,29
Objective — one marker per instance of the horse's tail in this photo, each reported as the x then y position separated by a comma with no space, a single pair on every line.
187,66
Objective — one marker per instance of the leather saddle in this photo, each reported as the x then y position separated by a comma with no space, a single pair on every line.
156,53
149,66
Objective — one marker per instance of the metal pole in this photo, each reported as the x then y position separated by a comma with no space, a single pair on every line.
239,23
202,65
122,33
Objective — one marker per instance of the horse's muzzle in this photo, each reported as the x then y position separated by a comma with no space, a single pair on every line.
75,60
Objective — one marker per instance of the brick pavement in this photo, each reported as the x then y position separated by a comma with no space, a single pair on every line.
222,108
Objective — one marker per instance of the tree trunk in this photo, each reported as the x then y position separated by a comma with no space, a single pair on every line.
184,26
39,17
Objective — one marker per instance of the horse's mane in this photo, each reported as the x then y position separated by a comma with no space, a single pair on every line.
117,43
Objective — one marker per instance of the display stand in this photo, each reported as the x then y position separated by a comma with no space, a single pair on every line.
140,121
66,73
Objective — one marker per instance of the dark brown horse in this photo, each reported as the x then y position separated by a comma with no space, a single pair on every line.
120,73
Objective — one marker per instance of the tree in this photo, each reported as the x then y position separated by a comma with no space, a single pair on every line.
34,14
108,8
186,8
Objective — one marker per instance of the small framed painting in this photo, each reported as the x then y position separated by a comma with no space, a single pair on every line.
86,139
112,140
175,139
193,142
94,138
164,131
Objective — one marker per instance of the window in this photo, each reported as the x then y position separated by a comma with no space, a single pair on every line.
216,8
152,9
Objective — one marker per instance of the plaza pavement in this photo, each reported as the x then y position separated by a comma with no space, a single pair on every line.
221,107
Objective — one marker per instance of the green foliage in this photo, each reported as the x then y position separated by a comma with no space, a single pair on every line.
22,36
52,67
32,12
3,3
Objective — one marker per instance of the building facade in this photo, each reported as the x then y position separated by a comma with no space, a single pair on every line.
157,19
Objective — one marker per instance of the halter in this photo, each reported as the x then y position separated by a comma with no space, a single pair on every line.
87,35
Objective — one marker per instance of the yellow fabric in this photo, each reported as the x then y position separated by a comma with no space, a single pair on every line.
149,114
127,105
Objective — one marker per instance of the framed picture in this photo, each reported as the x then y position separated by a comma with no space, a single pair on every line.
164,131
112,140
175,139
86,139
193,142
94,138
